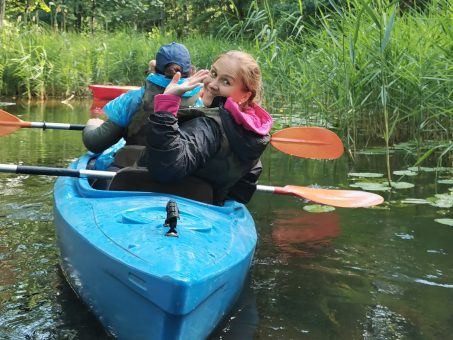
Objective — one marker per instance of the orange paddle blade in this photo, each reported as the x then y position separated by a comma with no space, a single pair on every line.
336,198
10,123
333,197
308,142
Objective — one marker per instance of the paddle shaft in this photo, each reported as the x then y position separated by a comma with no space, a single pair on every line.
44,125
49,171
269,189
272,190
62,126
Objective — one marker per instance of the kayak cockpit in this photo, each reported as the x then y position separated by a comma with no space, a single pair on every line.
137,179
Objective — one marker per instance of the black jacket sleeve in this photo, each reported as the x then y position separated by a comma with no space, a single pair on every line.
98,139
175,151
244,189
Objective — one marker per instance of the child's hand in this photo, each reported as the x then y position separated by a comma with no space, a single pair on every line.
152,66
191,83
94,122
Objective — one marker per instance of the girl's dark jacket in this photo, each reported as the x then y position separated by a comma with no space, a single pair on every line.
207,143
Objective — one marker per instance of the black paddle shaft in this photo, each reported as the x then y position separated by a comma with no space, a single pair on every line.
48,171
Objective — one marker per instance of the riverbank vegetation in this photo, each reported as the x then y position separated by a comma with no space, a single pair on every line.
380,71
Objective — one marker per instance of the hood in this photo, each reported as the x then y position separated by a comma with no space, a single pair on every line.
246,144
254,118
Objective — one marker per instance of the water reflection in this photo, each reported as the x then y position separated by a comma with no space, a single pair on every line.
97,107
299,233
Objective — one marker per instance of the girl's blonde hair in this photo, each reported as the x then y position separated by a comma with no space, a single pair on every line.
249,72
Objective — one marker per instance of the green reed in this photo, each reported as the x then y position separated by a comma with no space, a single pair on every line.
397,80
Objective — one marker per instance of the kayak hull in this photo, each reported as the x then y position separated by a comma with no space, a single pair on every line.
140,283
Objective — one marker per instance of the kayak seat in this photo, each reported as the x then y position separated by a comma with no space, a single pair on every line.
128,155
138,179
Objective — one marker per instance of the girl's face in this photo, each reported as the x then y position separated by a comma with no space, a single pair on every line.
224,80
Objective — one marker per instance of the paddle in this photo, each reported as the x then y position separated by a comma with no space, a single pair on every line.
305,142
10,123
336,198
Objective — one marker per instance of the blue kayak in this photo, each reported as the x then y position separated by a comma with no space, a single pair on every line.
140,283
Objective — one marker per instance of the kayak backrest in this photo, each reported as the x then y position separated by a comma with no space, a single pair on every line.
139,179
128,155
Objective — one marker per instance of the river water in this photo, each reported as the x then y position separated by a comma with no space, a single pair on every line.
376,273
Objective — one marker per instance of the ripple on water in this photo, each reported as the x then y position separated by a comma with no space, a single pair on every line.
12,186
404,236
437,251
29,211
383,323
27,323
431,283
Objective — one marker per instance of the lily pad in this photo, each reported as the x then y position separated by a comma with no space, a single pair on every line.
445,168
445,181
404,173
371,186
446,221
318,208
401,185
415,201
448,196
422,168
442,200
365,174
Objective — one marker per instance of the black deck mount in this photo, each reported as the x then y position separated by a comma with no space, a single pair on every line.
172,218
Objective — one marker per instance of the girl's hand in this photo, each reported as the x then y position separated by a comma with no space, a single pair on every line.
179,89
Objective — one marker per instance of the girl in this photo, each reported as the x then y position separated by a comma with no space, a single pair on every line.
220,143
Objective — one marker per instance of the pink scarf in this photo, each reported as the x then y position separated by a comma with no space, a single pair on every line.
254,119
